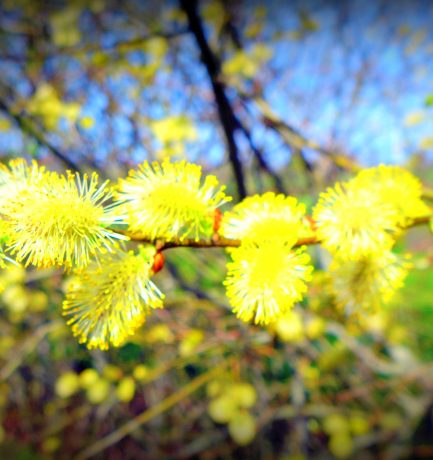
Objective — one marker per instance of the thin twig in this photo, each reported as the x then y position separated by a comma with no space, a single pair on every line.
28,128
27,347
221,242
225,110
149,414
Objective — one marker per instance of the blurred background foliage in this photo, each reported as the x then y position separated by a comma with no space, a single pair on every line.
279,96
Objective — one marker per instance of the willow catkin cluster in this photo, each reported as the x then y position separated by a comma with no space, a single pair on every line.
358,222
83,225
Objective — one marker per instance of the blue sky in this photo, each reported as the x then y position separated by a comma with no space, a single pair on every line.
349,85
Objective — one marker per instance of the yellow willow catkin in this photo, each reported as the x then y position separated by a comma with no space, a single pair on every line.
62,222
108,301
170,200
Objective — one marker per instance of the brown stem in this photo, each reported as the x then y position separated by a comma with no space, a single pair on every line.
225,110
220,242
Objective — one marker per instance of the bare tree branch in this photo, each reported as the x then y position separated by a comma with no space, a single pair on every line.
225,111
28,128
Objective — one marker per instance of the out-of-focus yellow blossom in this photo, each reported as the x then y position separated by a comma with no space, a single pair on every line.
46,104
65,26
242,428
16,298
141,373
62,223
359,424
174,129
289,327
396,186
334,357
125,390
170,200
315,327
110,299
353,222
230,401
99,391
264,218
190,342
368,283
88,377
335,423
51,444
222,409
265,281
38,301
67,384
87,122
341,445
243,394
159,333
112,373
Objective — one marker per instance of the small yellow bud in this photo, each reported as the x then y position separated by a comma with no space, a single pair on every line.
358,424
141,373
290,328
242,428
112,373
243,394
51,444
222,409
334,424
98,391
315,328
341,445
67,384
125,390
190,342
88,377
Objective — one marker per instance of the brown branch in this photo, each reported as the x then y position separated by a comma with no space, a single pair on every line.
293,137
121,45
27,127
220,242
261,159
225,111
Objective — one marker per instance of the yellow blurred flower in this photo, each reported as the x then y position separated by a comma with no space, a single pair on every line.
353,222
141,373
112,373
67,384
222,409
110,299
243,394
99,391
159,333
242,428
88,377
265,281
289,327
190,342
396,186
46,104
125,390
170,200
264,218
370,282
